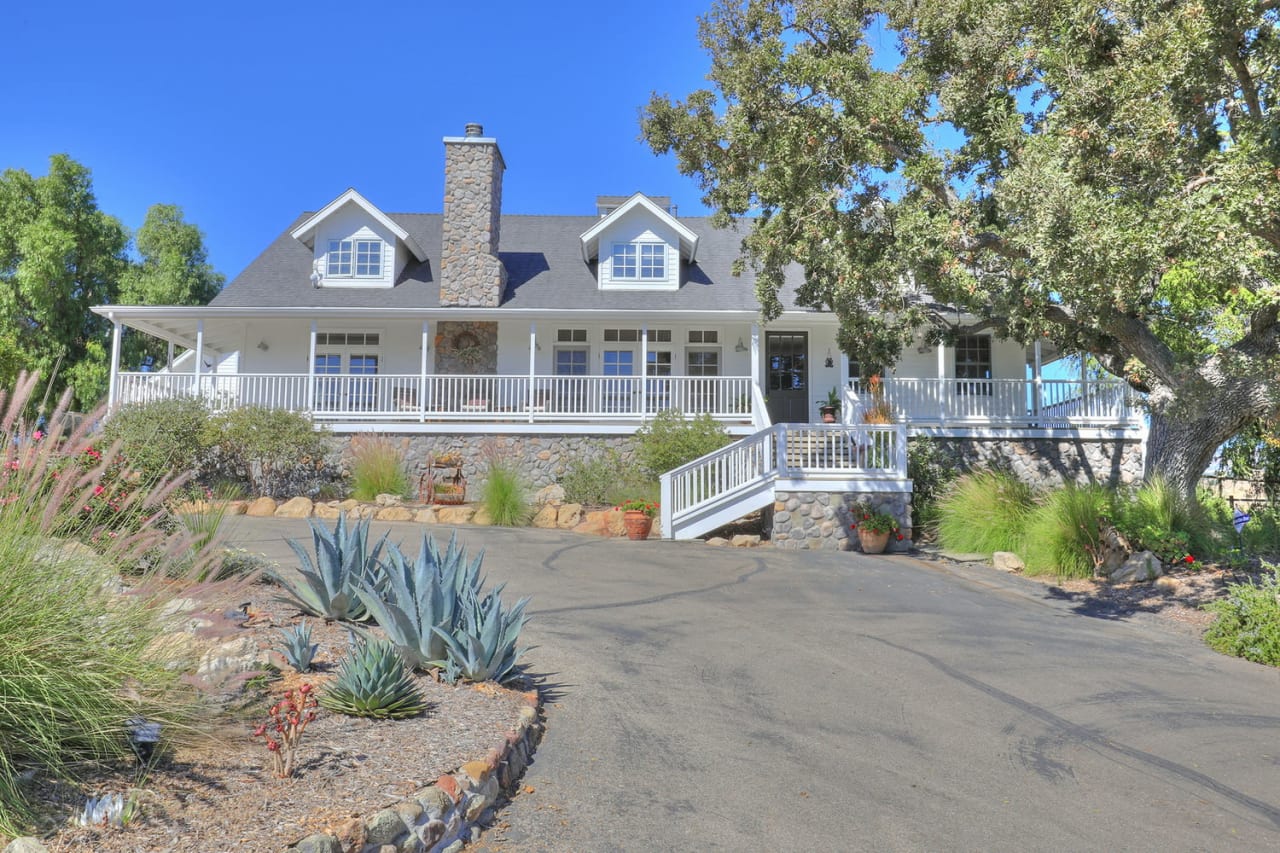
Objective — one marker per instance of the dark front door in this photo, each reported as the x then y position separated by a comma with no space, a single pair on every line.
787,376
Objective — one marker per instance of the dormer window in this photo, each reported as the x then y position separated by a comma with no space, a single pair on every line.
639,261
366,254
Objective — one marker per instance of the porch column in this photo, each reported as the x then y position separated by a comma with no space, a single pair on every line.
942,384
115,363
169,363
644,370
1037,391
422,371
533,352
199,353
1083,409
311,370
756,379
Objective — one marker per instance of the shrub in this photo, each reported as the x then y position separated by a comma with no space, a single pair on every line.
984,512
1156,518
163,438
931,473
71,645
505,497
266,447
1063,534
1248,620
377,468
670,440
588,480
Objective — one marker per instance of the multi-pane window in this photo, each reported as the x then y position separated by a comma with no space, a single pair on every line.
347,339
571,361
633,335
973,364
659,363
704,336
639,261
364,256
571,336
703,362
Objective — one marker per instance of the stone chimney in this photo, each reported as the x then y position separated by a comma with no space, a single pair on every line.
470,273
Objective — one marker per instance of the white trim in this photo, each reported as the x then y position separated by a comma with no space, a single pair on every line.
1056,434
819,483
511,427
590,239
306,232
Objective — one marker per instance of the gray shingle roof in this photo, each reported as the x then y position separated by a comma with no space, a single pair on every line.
544,264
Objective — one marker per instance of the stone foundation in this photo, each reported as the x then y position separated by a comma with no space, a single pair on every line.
1050,462
820,521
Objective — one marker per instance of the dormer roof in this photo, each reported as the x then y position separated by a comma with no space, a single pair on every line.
590,239
306,232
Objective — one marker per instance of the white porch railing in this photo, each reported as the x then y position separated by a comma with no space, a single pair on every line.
1047,403
725,484
414,397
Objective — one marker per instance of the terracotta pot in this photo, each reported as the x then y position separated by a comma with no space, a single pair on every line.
637,524
828,414
873,543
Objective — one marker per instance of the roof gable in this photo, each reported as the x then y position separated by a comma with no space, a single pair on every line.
590,239
306,232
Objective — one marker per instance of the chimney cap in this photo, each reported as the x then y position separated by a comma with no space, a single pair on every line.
475,129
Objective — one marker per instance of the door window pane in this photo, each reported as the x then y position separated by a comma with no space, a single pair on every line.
571,362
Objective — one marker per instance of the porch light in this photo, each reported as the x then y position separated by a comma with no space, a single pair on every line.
316,278
741,347
262,345
830,362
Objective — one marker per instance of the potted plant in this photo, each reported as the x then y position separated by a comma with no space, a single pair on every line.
830,407
874,529
637,517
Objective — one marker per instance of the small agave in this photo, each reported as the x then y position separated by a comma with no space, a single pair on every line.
103,811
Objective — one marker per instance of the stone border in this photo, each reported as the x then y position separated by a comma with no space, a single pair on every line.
444,816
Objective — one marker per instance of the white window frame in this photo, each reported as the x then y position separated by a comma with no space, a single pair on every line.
350,250
641,263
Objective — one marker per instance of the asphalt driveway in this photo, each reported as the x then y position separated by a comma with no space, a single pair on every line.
756,699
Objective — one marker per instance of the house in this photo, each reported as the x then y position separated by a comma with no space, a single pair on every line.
556,335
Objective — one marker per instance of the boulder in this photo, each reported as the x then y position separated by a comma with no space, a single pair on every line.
1145,566
1007,561
718,541
25,845
482,516
395,513
568,516
325,511
546,517
388,500
348,505
427,515
552,494
235,507
294,508
261,508
745,540
606,522
455,514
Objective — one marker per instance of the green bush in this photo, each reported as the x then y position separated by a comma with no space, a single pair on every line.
1248,620
267,448
77,660
1156,518
505,496
670,440
984,512
603,479
377,468
931,473
161,439
1063,534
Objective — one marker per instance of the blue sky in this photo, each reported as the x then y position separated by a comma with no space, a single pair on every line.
247,114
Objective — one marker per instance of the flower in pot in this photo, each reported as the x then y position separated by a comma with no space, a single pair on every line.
830,407
874,529
637,517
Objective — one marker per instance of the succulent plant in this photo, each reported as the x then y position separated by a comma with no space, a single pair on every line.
413,598
297,648
326,588
372,682
483,646
109,810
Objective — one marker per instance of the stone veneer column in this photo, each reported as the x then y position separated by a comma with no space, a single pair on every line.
470,273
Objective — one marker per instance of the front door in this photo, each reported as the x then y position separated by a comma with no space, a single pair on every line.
787,376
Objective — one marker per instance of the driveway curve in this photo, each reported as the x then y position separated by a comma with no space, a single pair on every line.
759,699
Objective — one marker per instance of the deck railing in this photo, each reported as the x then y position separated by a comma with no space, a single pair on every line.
1046,403
413,397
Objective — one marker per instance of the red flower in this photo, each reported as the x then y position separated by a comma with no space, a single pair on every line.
899,537
260,730
304,689
273,745
1188,559
853,527
97,490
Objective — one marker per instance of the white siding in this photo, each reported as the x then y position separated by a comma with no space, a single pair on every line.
639,226
351,222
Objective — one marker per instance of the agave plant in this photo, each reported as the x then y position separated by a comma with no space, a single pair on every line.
297,647
372,682
326,588
483,646
414,598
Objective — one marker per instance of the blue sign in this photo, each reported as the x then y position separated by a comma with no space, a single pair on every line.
1239,519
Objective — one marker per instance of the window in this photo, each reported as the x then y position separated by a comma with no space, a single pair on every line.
574,336
367,255
703,362
973,364
345,339
640,261
571,361
659,363
704,336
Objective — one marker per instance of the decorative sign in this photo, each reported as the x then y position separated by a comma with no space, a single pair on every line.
1239,519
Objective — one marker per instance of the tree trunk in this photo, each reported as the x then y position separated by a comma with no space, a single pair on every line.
1180,449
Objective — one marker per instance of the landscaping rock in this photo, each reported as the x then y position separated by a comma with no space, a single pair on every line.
25,845
743,540
546,517
327,511
568,516
317,844
388,500
1007,561
455,514
552,494
238,655
295,508
395,513
425,516
718,541
435,802
1140,567
348,505
1168,584
235,507
261,508
482,516
384,827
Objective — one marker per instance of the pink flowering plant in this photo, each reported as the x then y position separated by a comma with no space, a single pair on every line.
864,518
286,721
649,508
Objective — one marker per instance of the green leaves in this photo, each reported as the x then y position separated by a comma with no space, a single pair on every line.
372,682
328,587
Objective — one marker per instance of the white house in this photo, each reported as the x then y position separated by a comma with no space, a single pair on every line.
554,331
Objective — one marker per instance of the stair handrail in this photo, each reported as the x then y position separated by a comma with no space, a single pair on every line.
766,440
